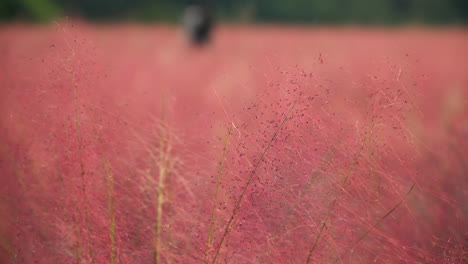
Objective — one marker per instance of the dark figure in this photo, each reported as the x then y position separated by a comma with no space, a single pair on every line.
198,21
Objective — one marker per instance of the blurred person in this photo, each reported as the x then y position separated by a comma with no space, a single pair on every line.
198,21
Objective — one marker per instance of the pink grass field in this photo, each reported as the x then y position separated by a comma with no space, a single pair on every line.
122,144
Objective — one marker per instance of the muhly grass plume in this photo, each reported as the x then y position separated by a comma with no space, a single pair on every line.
303,171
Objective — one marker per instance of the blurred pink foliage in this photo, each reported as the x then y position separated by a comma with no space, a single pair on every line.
363,134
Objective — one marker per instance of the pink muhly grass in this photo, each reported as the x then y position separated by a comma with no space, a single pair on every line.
346,161
243,190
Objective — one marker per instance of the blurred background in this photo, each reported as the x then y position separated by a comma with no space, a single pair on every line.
380,12
114,133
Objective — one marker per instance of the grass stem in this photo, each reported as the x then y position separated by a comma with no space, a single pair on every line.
111,210
215,198
250,180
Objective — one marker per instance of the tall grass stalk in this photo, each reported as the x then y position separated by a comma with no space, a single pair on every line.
79,138
251,179
164,166
83,213
111,210
215,198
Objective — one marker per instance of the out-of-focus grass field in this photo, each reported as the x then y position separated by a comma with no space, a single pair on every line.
273,144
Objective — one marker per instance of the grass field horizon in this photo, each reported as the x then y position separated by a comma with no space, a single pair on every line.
272,144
